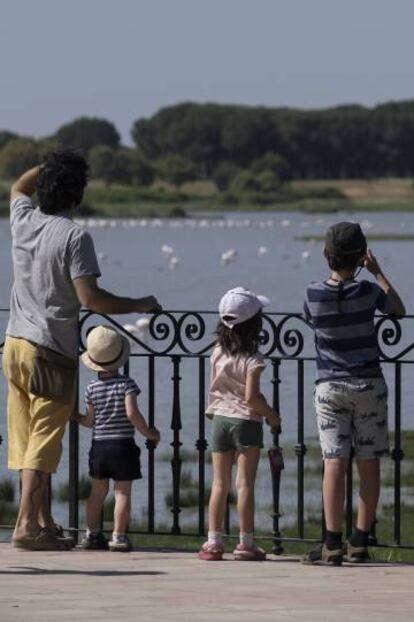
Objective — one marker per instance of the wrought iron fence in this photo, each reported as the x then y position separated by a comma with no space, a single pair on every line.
177,336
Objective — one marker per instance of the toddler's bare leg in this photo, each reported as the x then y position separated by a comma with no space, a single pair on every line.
122,490
95,503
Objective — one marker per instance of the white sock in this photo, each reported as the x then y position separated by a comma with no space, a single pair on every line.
117,536
92,532
247,539
214,538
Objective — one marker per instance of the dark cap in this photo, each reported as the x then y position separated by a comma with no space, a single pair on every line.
345,238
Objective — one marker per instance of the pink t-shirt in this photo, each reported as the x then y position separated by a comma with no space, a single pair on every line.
228,384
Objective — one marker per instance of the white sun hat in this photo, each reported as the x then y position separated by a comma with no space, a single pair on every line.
107,349
240,304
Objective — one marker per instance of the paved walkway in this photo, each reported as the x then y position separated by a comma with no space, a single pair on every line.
78,585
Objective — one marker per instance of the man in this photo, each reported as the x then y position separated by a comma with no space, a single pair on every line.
55,272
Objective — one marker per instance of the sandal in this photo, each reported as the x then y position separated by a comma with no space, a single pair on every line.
44,541
211,552
243,553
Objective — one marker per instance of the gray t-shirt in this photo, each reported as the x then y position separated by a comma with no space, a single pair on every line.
48,253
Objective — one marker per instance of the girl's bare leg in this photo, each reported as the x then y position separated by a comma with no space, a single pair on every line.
247,461
222,465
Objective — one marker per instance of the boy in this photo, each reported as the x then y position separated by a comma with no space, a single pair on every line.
112,412
350,395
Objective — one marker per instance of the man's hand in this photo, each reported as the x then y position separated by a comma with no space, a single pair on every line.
149,305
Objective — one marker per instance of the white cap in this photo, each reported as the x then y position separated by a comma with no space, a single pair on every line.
240,304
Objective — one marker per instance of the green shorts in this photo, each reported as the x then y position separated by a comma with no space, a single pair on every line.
233,433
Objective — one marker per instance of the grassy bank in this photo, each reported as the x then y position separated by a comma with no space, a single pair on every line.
189,504
162,200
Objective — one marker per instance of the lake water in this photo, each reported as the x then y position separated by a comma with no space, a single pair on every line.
132,264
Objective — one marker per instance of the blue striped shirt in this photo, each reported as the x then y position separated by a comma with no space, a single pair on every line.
107,396
342,317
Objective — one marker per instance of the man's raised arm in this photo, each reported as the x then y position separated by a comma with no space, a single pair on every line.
26,184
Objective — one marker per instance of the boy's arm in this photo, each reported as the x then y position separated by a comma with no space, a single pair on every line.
256,400
138,420
26,184
86,420
372,265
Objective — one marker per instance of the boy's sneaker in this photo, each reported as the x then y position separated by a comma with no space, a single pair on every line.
322,556
121,544
94,542
243,553
356,554
211,552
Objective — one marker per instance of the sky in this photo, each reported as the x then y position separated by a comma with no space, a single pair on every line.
125,59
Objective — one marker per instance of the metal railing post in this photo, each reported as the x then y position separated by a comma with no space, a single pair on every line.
397,455
276,462
300,449
201,445
150,445
176,444
74,469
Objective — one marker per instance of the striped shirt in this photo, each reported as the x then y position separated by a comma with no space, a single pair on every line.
107,396
342,317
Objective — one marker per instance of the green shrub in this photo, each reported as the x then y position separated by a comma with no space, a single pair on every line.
8,513
84,489
7,490
108,511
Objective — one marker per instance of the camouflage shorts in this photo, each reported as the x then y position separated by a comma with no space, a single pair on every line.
352,413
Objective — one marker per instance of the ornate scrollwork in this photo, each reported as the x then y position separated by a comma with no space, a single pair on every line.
192,326
268,336
162,330
191,333
290,341
389,333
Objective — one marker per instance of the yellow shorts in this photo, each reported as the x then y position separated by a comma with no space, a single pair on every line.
35,424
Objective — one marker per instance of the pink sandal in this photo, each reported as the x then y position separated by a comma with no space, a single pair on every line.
243,553
211,552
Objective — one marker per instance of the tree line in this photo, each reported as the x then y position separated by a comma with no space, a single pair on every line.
239,147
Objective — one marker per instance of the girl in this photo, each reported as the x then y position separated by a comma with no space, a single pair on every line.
238,409
112,412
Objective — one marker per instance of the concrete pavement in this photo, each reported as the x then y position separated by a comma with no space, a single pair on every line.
144,586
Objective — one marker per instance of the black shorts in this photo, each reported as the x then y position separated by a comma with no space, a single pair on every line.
117,459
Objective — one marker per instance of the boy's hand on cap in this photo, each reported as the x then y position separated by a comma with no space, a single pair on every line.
371,263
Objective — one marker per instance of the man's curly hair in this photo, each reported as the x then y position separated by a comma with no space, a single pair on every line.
62,179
